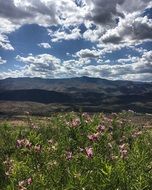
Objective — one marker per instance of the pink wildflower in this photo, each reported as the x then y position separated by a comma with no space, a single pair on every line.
27,143
69,155
21,143
75,123
37,148
94,137
89,152
29,181
22,184
101,128
18,143
123,151
86,117
8,166
122,146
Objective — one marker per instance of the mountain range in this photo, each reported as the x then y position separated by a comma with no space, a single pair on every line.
43,96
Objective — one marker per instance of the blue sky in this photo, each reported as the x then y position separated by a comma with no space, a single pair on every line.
109,39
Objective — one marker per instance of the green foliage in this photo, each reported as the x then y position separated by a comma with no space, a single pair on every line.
76,151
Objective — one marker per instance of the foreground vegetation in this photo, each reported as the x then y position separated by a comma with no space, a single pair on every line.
76,151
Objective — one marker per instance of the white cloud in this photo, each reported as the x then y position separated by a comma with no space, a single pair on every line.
132,29
137,5
61,34
7,26
111,24
2,61
87,53
41,12
44,45
5,43
82,66
131,68
43,65
138,77
66,13
104,11
143,64
95,34
16,13
48,66
42,59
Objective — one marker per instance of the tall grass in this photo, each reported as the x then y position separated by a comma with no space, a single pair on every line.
76,152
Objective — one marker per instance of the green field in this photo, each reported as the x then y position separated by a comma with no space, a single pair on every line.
76,151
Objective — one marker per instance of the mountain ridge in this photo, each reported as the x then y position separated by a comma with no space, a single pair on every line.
89,94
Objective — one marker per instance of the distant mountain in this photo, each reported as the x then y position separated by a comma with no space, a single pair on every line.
88,94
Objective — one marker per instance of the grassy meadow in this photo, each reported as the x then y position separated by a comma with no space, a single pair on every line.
76,151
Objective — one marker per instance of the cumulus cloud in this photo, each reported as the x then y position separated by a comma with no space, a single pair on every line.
2,61
143,64
64,34
66,13
5,43
130,29
130,6
44,45
109,24
129,67
118,22
16,13
24,11
93,35
104,11
48,66
138,67
42,12
138,77
7,26
87,53
40,63
9,10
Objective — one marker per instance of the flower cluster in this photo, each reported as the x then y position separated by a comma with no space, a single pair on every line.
23,143
87,118
86,146
75,122
22,185
94,137
123,151
8,163
69,155
101,128
37,148
89,152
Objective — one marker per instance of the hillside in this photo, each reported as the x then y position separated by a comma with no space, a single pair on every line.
88,94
